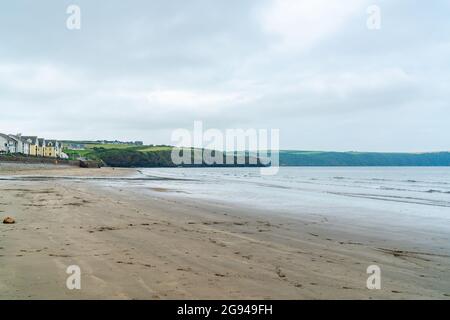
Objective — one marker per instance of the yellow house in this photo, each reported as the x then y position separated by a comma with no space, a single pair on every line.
49,150
33,150
33,142
52,149
41,148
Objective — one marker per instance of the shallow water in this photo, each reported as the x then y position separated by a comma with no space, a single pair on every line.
407,195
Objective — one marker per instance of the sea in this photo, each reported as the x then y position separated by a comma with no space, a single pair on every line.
415,196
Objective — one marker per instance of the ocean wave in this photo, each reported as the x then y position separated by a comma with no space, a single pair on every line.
411,200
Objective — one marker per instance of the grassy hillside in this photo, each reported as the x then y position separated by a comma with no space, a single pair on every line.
133,156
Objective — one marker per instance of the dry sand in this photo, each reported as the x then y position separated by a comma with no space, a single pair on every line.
139,243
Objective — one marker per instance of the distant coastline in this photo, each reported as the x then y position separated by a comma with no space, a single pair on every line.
364,159
150,156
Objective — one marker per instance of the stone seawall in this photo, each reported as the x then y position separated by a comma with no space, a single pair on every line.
38,160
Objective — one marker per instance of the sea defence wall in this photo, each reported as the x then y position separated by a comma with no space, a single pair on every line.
41,160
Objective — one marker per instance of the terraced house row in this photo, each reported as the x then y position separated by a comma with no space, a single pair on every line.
30,146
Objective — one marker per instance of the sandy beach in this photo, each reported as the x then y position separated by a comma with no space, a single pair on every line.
149,243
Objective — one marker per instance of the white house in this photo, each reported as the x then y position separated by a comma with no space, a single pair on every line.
7,144
26,146
22,146
4,142
63,155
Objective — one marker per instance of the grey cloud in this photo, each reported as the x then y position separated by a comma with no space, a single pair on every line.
215,61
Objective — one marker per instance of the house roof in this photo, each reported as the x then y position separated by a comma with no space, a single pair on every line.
32,138
5,136
19,138
41,142
50,143
13,137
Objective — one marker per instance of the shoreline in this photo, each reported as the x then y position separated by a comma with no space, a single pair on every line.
135,242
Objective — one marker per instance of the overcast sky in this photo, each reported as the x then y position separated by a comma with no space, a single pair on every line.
137,70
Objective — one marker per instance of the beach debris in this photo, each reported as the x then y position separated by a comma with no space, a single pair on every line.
89,163
280,273
9,220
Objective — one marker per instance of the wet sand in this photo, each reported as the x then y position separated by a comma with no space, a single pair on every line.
135,242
